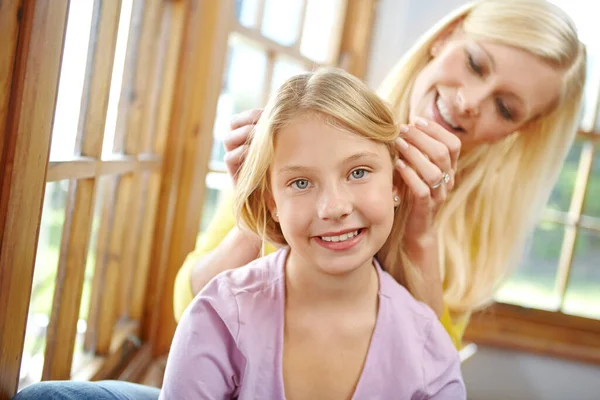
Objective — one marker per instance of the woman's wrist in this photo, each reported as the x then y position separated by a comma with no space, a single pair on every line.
423,254
236,250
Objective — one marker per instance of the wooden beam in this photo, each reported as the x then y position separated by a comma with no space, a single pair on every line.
86,167
570,237
271,45
123,348
300,31
106,215
62,330
9,32
135,369
139,114
107,315
138,289
356,39
128,94
26,145
182,191
99,69
535,331
174,15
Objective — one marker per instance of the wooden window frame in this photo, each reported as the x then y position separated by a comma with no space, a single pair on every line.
30,62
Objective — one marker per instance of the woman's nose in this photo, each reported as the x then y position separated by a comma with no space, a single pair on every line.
469,100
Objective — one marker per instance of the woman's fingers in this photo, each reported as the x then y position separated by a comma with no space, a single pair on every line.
419,188
237,137
426,168
235,142
440,134
245,118
234,159
436,151
415,183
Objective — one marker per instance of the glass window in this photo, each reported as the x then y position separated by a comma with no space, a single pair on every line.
117,78
583,291
72,76
44,280
243,88
532,284
281,21
320,34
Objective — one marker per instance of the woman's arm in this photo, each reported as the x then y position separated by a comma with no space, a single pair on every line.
222,247
431,152
425,255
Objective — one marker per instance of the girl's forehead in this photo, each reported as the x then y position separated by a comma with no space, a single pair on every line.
317,141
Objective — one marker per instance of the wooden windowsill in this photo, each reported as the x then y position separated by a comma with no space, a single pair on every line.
536,331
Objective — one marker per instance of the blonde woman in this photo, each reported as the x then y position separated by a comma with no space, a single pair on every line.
319,318
499,83
489,99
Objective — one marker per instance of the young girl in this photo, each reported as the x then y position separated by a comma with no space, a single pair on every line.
318,319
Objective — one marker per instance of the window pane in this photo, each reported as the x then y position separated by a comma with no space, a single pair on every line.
591,94
583,293
321,30
283,69
242,90
587,28
591,205
44,280
79,356
246,11
560,199
117,78
216,184
72,76
281,20
532,284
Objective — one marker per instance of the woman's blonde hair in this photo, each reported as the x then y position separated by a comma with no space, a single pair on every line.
502,186
337,98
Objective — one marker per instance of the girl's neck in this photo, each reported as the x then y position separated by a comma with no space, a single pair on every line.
307,285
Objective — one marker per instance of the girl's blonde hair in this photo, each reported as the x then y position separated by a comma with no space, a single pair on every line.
337,98
502,186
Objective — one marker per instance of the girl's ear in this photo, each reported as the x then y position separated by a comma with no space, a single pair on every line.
397,184
272,208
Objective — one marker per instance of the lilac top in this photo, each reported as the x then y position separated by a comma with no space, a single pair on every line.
229,342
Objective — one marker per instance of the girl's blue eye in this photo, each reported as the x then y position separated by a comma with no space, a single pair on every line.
301,184
359,173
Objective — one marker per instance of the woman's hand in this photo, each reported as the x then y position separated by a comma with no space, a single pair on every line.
236,142
431,154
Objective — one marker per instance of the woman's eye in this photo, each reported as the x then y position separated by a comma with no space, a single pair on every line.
301,184
473,65
503,110
359,173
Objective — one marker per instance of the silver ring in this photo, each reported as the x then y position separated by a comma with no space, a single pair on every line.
445,179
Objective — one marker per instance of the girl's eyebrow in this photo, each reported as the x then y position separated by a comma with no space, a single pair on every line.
360,156
352,158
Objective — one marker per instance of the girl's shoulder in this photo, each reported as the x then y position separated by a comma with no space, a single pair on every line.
259,275
403,307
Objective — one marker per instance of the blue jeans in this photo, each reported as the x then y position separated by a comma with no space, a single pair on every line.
74,390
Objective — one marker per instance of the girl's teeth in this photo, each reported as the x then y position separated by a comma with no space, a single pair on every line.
340,238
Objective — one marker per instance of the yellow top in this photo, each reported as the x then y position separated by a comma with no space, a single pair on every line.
220,225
